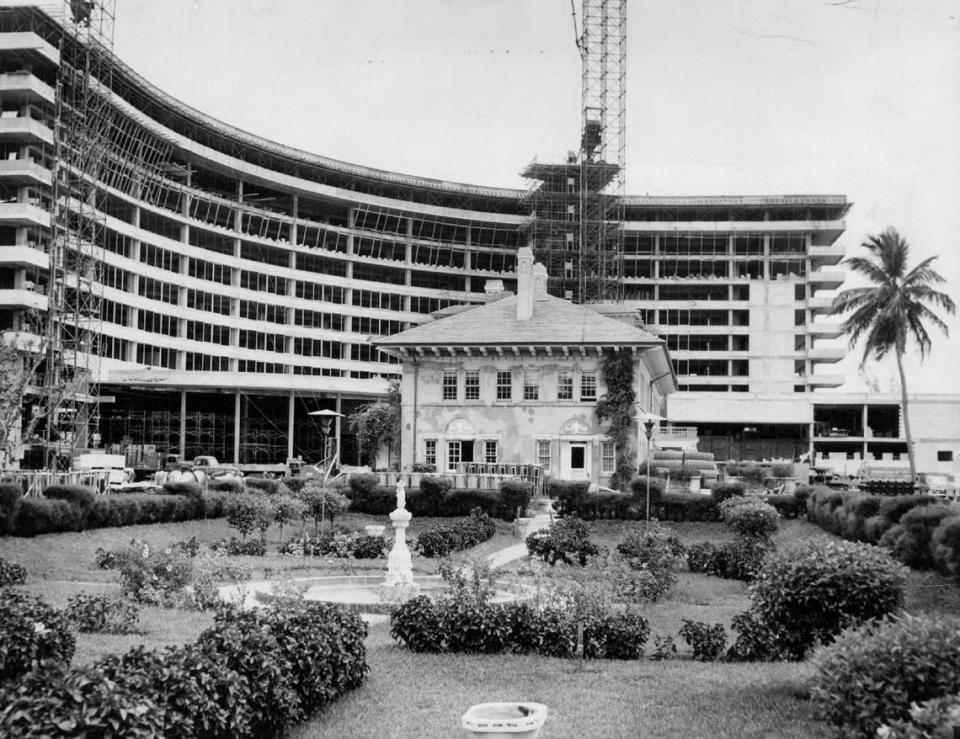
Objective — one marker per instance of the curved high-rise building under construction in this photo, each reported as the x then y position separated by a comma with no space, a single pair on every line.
212,288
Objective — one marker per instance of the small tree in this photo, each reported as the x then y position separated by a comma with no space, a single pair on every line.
321,502
378,424
287,510
242,513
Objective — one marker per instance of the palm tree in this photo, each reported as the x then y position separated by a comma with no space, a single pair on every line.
893,308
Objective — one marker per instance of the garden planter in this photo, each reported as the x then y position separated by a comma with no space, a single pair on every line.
505,720
374,530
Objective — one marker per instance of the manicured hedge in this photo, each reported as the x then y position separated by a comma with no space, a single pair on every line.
871,675
474,625
436,497
907,525
35,516
254,673
463,534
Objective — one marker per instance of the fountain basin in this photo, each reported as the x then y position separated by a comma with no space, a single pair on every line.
355,593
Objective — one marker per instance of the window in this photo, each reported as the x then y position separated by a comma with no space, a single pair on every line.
505,385
588,386
449,384
944,455
490,451
608,457
471,385
430,451
531,385
454,454
564,386
543,453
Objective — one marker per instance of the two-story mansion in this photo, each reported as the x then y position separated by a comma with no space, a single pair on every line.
517,380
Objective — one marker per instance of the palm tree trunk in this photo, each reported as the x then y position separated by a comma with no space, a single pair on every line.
906,416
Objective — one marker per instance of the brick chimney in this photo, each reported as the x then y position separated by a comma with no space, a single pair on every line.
525,285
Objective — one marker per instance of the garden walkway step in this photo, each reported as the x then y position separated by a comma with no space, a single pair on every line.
518,551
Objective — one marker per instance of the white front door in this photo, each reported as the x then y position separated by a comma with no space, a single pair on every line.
574,460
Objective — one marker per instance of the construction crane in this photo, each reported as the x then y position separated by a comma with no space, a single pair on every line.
576,206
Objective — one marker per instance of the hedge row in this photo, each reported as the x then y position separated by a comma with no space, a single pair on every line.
918,530
443,540
70,508
436,497
475,625
252,674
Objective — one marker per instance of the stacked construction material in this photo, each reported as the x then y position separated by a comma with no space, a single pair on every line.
675,462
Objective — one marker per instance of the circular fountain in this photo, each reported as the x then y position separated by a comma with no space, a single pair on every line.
367,594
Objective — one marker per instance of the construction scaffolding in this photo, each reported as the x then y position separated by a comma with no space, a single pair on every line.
577,206
80,144
95,146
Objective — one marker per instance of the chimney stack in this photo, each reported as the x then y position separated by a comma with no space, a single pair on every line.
524,283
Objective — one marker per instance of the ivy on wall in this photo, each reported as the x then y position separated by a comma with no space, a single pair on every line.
618,406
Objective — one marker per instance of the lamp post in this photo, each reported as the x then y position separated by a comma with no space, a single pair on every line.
326,421
649,420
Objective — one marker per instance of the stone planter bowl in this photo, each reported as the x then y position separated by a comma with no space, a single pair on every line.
374,530
515,720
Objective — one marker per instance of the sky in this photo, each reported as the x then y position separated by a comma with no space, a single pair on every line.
724,97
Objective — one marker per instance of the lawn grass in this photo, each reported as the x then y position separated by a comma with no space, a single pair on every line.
423,695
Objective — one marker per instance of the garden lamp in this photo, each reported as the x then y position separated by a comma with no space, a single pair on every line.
326,421
649,421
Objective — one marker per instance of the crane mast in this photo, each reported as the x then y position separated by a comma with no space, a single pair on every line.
576,206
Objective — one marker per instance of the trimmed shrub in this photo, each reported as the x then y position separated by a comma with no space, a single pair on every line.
755,641
196,694
752,518
461,502
76,495
654,549
810,591
152,575
263,484
226,485
295,484
894,507
10,495
515,493
336,544
638,489
910,541
442,540
935,717
433,490
100,614
37,516
363,484
569,494
872,674
786,505
55,700
724,490
295,657
946,546
184,488
30,631
236,548
11,574
566,540
707,642
688,507
466,623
